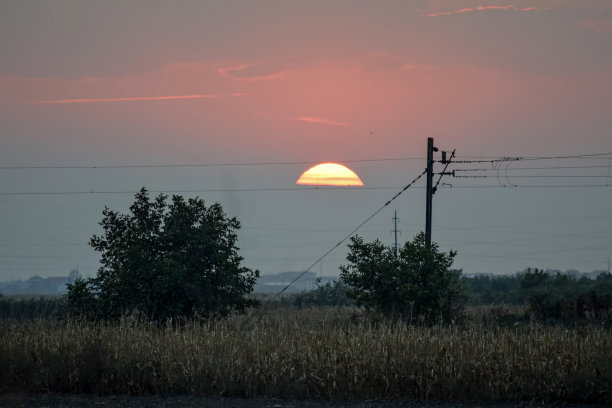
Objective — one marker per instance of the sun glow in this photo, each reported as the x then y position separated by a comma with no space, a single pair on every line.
329,174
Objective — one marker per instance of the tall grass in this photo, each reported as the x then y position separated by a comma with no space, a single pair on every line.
310,353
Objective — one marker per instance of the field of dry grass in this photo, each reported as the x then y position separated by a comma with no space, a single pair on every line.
310,353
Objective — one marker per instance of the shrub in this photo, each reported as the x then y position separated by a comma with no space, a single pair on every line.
414,283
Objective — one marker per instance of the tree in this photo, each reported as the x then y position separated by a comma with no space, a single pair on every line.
416,283
165,260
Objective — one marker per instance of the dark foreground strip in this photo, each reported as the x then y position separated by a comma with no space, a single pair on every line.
70,401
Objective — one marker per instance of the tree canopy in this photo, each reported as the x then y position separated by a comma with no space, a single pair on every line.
414,283
165,260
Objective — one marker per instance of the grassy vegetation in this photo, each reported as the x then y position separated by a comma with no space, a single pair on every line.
311,353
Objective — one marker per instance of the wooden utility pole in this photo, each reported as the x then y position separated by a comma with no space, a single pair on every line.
428,209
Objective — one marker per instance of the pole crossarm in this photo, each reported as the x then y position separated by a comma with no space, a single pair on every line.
444,172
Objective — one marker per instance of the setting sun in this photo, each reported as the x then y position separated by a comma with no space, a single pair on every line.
330,174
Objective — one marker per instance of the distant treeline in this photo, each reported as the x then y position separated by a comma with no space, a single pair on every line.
556,296
31,308
520,288
547,295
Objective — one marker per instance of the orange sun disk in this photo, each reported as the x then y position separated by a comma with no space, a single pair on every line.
329,174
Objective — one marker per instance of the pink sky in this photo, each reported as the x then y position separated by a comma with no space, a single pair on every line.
302,75
148,82
301,106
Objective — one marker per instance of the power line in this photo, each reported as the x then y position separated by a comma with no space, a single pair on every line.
593,156
537,176
282,163
272,189
536,168
575,156
534,186
130,166
210,190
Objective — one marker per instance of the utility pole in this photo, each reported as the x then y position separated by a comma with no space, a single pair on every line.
395,220
428,209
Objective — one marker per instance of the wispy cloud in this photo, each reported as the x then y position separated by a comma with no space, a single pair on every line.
320,121
227,72
484,8
125,99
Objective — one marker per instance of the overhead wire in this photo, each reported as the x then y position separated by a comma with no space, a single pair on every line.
537,176
534,186
482,159
129,166
206,190
538,168
574,156
504,171
336,189
489,159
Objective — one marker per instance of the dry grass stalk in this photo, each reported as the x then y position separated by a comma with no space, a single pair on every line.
314,353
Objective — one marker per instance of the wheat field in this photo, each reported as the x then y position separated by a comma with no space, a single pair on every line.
309,353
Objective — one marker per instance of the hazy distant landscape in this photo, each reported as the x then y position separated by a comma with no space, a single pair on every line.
269,284
265,284
57,285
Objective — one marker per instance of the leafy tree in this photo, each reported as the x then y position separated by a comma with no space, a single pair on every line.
165,260
415,283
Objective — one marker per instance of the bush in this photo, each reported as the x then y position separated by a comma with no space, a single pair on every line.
416,283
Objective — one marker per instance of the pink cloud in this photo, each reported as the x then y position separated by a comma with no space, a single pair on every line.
484,8
227,72
125,99
320,121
